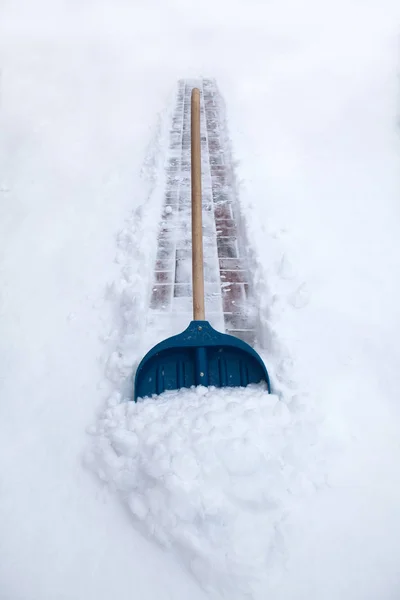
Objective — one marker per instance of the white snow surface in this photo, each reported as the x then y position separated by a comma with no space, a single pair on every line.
86,93
212,475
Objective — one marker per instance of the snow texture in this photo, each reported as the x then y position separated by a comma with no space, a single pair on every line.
212,474
86,94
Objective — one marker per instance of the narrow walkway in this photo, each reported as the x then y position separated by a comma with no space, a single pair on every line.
225,265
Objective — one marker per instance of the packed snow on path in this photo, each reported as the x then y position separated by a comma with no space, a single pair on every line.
212,475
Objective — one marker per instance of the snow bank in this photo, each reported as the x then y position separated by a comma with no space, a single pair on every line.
211,474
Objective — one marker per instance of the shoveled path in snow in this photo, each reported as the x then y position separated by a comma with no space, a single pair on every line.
227,276
212,475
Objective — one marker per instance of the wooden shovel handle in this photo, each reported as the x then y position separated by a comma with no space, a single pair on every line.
197,227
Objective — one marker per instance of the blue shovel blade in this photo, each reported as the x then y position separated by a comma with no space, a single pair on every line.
200,355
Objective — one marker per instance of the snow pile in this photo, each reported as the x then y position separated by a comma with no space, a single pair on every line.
211,474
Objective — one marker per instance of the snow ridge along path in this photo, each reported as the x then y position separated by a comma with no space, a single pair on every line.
211,475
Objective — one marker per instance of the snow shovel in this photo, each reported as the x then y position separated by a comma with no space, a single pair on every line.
200,355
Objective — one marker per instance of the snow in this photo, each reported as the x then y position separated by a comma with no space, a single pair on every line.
311,94
211,475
